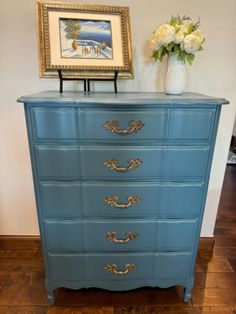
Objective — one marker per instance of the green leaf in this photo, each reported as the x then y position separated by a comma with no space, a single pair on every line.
190,28
181,55
177,28
160,52
155,55
173,20
190,57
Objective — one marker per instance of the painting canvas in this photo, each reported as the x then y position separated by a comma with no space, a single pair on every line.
85,39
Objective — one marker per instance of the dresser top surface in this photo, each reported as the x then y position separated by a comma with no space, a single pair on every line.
135,98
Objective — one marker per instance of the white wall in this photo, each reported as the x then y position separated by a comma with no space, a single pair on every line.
213,73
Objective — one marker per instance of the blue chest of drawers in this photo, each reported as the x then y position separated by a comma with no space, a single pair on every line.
120,184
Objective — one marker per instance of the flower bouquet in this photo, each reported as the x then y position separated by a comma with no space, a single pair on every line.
180,36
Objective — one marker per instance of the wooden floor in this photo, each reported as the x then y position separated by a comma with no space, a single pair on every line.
22,288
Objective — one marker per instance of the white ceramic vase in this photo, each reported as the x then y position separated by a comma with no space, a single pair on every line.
175,80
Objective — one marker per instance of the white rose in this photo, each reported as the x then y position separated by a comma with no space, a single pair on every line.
198,33
191,43
165,34
154,45
181,33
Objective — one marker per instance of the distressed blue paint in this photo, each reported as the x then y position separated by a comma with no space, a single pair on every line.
68,146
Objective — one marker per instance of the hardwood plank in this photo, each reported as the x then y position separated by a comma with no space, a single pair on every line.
219,265
216,310
232,263
80,310
22,288
19,242
19,309
157,310
215,280
35,252
30,263
225,252
214,297
16,309
225,241
174,310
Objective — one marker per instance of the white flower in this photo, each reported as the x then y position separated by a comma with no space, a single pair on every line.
165,34
181,33
154,45
198,33
191,43
180,37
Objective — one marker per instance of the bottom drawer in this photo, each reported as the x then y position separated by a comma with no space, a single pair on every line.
119,267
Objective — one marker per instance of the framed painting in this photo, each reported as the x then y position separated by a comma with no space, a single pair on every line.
84,40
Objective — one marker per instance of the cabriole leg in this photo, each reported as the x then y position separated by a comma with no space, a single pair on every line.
51,296
187,294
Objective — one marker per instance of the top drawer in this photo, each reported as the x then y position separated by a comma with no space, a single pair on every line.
88,124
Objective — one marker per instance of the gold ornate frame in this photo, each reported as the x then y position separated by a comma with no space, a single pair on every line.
49,70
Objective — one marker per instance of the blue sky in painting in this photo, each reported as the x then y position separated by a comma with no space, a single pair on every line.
91,26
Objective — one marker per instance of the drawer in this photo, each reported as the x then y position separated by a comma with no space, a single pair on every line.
72,123
120,235
88,124
91,162
123,125
129,266
124,199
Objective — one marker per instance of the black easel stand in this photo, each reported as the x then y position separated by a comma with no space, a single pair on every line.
61,78
109,80
87,81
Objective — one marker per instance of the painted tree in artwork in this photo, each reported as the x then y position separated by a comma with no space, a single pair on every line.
72,30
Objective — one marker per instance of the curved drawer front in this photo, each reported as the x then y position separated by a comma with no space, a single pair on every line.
112,199
122,235
119,267
66,123
87,124
55,123
185,124
173,163
118,125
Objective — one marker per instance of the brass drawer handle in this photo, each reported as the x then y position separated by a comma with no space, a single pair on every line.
112,126
132,164
112,236
112,201
113,269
